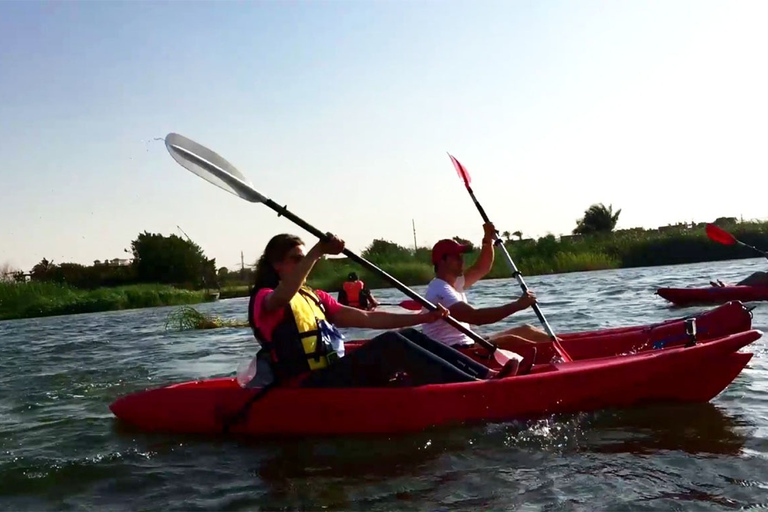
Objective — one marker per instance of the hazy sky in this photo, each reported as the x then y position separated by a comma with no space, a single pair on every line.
344,111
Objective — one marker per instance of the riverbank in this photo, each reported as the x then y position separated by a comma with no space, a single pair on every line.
547,255
40,299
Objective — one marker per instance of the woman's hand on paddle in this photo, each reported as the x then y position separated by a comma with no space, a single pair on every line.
331,244
433,316
526,300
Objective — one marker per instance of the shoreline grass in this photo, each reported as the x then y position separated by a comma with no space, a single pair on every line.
547,255
40,299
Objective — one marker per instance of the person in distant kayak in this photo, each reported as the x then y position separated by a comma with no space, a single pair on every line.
301,346
355,294
448,289
756,279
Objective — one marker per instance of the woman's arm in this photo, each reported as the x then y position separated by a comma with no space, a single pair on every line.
353,317
290,284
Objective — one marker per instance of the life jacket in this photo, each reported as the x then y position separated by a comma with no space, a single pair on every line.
353,290
297,346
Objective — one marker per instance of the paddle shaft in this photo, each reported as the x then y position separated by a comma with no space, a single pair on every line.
515,272
765,254
282,211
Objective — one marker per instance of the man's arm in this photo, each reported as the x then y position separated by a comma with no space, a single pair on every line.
463,312
481,267
484,262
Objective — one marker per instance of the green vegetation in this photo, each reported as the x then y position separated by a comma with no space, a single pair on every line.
188,274
597,219
34,299
682,243
187,317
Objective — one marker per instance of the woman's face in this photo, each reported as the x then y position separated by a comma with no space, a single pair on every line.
287,264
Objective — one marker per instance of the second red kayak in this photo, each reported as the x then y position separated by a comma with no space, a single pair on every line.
713,294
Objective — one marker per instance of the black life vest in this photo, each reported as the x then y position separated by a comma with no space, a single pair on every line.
297,346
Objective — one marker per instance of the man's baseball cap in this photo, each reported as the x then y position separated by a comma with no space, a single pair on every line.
448,247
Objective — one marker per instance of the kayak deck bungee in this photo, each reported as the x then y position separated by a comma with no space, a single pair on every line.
713,294
678,374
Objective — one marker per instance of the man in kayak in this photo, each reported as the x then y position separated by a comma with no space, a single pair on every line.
301,345
354,293
448,289
756,279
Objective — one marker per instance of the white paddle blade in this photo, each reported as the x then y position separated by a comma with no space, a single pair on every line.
211,167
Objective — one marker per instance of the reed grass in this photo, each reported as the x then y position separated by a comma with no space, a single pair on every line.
188,318
37,299
547,255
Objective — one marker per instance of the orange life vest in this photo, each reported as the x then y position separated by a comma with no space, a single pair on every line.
353,290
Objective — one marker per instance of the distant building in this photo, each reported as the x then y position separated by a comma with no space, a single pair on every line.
114,262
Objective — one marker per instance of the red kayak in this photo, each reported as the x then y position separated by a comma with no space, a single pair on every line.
713,294
725,319
666,372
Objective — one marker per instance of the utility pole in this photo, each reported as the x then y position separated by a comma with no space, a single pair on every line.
415,246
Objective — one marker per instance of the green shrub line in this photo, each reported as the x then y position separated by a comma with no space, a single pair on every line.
547,255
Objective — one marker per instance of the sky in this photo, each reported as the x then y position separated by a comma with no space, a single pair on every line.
344,112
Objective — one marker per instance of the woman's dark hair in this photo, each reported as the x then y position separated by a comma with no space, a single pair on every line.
275,251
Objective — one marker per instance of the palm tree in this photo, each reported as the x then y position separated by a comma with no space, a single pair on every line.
506,235
597,219
40,270
518,234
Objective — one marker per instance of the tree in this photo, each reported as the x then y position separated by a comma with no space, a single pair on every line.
210,277
381,251
169,259
42,271
506,235
518,234
725,222
597,219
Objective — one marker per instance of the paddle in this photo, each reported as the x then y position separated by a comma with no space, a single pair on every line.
464,175
405,304
721,236
214,169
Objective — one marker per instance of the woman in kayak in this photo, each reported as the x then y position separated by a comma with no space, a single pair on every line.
301,346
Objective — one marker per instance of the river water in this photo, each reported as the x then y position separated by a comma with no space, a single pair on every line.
61,449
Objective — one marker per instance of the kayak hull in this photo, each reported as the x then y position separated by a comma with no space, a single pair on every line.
713,294
679,374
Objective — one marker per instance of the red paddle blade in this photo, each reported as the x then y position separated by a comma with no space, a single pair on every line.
719,235
461,171
411,305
